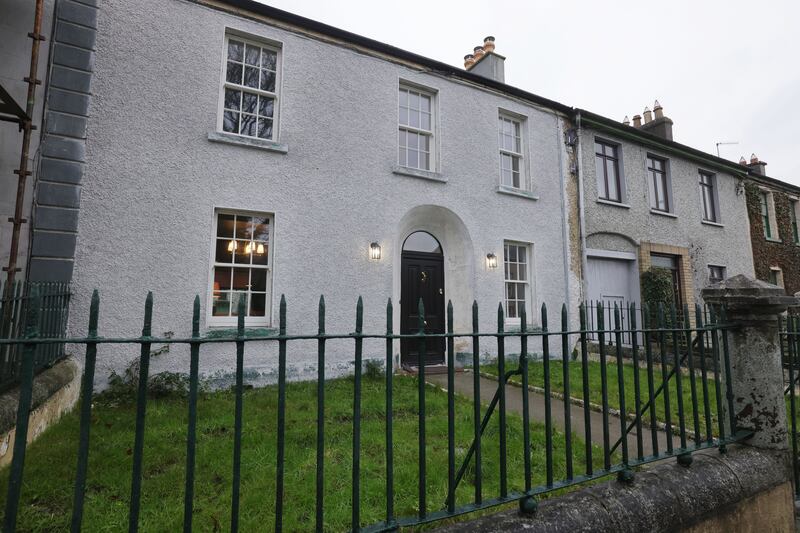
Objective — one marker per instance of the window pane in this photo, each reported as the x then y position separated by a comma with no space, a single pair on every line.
248,126
222,278
269,59
235,50
221,305
511,291
425,121
249,102
260,253
413,118
512,253
521,251
403,98
243,227
613,192
265,128
403,116
601,182
512,271
252,54
230,121
223,253
425,103
241,279
266,106
511,311
258,304
232,99
413,101
413,159
425,161
424,143
242,252
251,77
267,81
403,157
258,281
235,297
225,225
234,73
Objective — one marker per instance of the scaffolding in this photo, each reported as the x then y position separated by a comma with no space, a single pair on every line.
11,111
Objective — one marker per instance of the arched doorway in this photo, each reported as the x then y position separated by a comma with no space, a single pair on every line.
422,277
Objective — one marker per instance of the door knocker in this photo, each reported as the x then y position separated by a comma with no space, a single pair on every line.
423,277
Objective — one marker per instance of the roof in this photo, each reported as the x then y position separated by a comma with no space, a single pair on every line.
593,119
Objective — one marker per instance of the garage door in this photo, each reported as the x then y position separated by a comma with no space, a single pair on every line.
611,281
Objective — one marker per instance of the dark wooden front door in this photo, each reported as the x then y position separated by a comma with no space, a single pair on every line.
422,277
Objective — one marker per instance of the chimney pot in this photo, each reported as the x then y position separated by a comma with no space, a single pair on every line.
637,121
469,60
488,43
753,159
742,161
626,121
479,52
486,62
648,115
659,111
757,166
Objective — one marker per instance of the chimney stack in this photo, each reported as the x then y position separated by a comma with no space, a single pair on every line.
756,166
637,121
484,61
660,125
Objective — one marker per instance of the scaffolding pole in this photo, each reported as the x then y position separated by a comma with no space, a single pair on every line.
27,127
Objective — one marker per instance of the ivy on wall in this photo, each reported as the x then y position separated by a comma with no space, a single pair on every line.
656,287
784,254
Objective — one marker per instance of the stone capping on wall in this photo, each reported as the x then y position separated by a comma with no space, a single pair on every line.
45,385
667,497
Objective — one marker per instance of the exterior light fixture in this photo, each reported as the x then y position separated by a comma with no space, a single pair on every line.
491,260
375,251
232,246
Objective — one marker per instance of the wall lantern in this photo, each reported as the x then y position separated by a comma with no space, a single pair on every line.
375,251
491,260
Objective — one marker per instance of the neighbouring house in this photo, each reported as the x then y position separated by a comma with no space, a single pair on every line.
773,207
649,201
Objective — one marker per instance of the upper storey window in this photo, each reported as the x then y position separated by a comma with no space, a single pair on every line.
250,89
708,193
512,173
609,183
416,146
658,181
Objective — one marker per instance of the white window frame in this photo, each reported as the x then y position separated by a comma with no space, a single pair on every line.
724,272
794,218
714,185
521,121
232,321
778,275
433,155
528,282
268,44
771,219
667,184
620,168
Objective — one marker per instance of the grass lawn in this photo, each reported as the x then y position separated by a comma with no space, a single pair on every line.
50,461
536,378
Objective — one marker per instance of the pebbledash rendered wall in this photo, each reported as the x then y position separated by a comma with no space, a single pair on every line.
153,179
612,227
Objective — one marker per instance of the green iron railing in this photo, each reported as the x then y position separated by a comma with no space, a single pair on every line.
672,370
14,299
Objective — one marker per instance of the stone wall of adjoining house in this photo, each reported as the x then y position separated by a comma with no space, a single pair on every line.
783,253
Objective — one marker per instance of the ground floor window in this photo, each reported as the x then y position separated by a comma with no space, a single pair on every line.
241,268
716,273
516,261
776,276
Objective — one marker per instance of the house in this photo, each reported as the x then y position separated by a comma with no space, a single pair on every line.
239,151
648,201
773,208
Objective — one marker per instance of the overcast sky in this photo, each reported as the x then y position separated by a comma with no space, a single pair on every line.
723,70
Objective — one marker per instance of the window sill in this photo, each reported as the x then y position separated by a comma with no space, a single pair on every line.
522,193
223,332
422,174
710,223
247,142
770,239
663,213
613,203
515,327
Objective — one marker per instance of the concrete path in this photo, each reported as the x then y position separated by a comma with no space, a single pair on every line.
514,395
